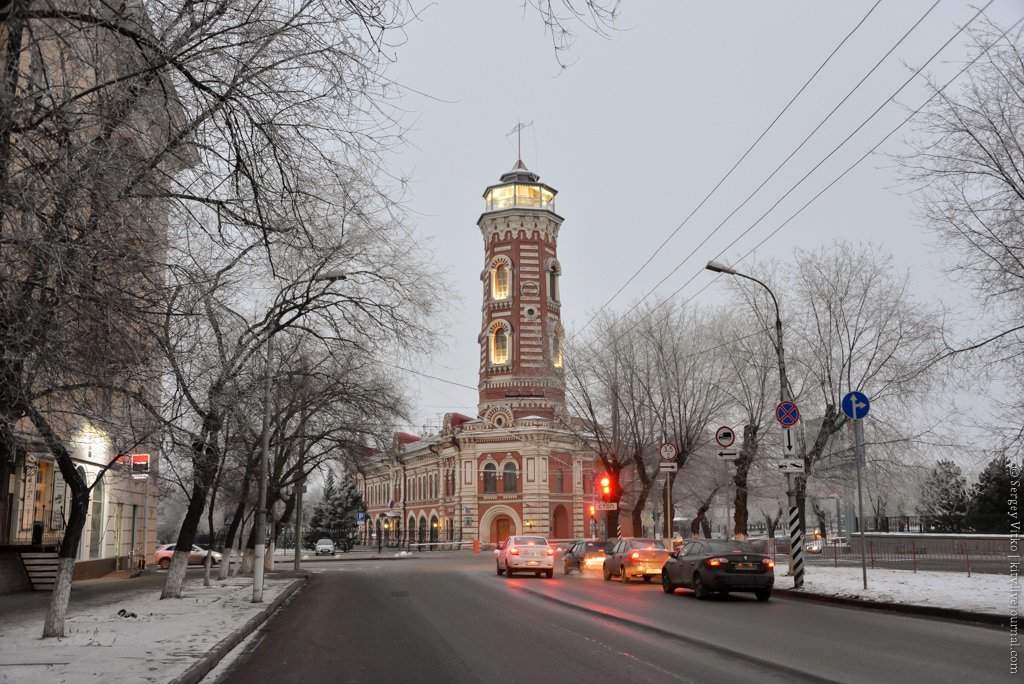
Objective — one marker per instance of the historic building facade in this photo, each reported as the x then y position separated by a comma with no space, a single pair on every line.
516,467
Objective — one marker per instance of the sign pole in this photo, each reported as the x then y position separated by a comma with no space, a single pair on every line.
858,450
668,506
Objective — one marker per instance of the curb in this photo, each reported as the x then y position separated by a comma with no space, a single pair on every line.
350,560
904,608
199,669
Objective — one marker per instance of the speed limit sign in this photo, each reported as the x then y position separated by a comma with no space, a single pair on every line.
667,451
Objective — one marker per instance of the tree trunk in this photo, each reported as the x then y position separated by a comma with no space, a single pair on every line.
748,452
54,624
186,536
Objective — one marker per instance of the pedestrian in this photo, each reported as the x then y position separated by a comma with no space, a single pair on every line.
380,543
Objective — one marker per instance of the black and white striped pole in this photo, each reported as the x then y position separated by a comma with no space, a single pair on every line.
796,536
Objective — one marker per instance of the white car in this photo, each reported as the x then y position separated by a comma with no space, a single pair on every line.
526,554
324,546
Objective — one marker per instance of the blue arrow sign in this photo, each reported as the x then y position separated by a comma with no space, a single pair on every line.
856,405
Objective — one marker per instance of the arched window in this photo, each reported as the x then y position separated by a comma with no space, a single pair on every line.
501,278
500,343
490,479
509,478
556,347
552,271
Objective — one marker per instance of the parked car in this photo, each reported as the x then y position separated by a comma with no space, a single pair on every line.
585,554
325,546
526,554
631,557
709,565
814,545
163,554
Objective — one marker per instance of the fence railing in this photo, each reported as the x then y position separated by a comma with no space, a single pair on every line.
904,552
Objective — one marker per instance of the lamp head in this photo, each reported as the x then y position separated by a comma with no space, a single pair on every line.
719,268
331,276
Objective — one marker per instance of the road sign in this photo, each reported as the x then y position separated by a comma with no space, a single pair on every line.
725,436
360,516
788,442
607,506
668,467
856,405
728,454
790,465
787,414
668,451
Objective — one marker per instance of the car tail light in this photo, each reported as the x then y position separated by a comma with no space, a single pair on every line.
514,551
550,551
716,562
635,555
768,563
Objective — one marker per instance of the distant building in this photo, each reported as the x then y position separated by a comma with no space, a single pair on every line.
515,467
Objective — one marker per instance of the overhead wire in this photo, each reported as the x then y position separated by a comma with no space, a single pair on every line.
739,161
792,188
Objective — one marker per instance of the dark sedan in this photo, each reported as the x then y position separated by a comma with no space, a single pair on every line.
710,565
585,554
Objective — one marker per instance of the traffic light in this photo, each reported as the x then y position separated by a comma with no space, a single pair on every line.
593,511
606,486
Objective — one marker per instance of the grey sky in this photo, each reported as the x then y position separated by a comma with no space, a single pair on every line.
642,126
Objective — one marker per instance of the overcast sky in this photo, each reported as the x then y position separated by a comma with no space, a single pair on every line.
639,129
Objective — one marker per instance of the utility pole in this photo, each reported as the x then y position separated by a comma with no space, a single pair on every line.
300,482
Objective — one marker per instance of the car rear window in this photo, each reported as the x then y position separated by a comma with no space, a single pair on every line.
531,541
730,547
646,544
597,546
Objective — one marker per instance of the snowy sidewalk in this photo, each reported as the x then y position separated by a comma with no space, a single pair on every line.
162,642
988,594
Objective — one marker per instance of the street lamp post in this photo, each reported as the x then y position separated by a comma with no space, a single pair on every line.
796,529
261,512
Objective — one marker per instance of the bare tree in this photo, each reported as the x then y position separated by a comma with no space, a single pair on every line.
856,326
968,169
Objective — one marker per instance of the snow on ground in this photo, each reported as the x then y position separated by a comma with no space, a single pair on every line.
164,640
979,593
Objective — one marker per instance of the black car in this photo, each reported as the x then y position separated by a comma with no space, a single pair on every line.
585,554
711,565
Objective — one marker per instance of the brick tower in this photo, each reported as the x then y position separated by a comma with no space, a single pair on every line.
521,335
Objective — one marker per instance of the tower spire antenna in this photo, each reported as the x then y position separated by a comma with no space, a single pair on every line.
518,130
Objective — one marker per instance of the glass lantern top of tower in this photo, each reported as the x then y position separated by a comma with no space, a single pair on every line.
519,189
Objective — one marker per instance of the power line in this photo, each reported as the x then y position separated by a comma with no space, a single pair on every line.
735,165
835,149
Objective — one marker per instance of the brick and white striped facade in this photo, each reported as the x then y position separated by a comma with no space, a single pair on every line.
516,467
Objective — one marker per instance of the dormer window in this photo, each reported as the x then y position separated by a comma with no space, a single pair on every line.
501,278
500,343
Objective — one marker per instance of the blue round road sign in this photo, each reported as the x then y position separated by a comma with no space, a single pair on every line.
856,405
787,414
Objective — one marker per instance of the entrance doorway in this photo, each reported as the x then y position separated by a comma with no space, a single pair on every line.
560,523
502,528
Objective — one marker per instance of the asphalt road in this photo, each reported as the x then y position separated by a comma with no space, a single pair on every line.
452,619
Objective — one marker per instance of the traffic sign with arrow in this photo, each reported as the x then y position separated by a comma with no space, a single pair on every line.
790,465
728,454
788,442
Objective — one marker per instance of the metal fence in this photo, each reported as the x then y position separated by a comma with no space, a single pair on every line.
904,552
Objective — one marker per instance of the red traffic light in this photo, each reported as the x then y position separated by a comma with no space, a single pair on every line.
593,510
606,485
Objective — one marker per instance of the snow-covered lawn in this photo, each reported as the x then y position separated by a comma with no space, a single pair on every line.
980,593
164,640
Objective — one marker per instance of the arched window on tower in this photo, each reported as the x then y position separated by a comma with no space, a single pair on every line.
490,479
552,271
508,483
500,343
501,278
556,347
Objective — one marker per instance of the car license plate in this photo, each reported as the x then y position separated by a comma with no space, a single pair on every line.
533,562
745,566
